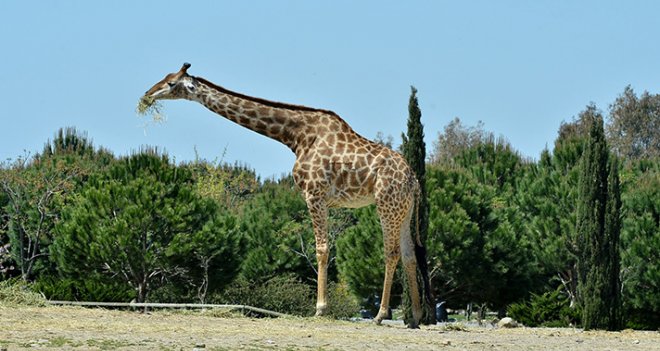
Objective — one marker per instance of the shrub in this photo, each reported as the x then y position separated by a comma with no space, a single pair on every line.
177,291
342,303
285,294
641,319
551,309
83,290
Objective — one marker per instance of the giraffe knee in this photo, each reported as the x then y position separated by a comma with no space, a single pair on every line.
322,250
392,254
407,246
408,253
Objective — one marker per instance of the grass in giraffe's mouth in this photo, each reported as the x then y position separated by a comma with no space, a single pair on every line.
148,105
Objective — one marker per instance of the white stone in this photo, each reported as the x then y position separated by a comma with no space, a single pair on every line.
507,322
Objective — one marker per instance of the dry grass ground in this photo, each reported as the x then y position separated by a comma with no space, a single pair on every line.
76,328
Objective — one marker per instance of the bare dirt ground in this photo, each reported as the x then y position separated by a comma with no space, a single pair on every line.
77,328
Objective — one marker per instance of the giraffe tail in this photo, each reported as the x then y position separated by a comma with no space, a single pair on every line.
420,250
417,198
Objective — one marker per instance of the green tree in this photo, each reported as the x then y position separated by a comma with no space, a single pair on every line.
387,141
549,197
460,216
455,139
546,200
37,187
360,257
278,232
493,162
633,124
230,186
594,248
478,248
414,151
214,254
640,239
210,256
612,239
124,220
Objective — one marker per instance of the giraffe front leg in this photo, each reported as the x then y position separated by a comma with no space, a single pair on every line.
319,213
322,286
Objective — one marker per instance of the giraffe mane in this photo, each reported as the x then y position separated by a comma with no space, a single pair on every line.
270,103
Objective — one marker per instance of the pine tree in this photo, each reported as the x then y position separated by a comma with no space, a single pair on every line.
597,243
359,265
123,221
640,259
414,150
279,235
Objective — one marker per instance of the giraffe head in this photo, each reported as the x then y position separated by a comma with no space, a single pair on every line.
178,85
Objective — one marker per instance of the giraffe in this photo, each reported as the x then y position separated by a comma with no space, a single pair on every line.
334,167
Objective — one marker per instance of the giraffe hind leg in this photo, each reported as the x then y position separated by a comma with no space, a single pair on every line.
409,261
398,244
390,224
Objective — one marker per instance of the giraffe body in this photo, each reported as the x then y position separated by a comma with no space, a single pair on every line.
335,167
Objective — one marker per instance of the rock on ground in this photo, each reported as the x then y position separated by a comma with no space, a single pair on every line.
507,322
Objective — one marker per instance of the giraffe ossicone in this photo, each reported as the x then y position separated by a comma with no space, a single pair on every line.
334,167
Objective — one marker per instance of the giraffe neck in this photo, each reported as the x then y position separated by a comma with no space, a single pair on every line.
275,120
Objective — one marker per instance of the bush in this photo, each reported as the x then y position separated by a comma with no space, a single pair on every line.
284,294
641,319
342,303
83,290
18,292
287,294
551,309
176,291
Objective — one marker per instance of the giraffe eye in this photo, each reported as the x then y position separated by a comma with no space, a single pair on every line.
171,84
189,85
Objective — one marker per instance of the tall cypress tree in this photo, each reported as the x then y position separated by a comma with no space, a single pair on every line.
612,240
414,150
597,233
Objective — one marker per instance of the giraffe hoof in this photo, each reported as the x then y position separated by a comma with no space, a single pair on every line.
380,316
321,310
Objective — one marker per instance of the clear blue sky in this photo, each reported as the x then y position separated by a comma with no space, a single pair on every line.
521,67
